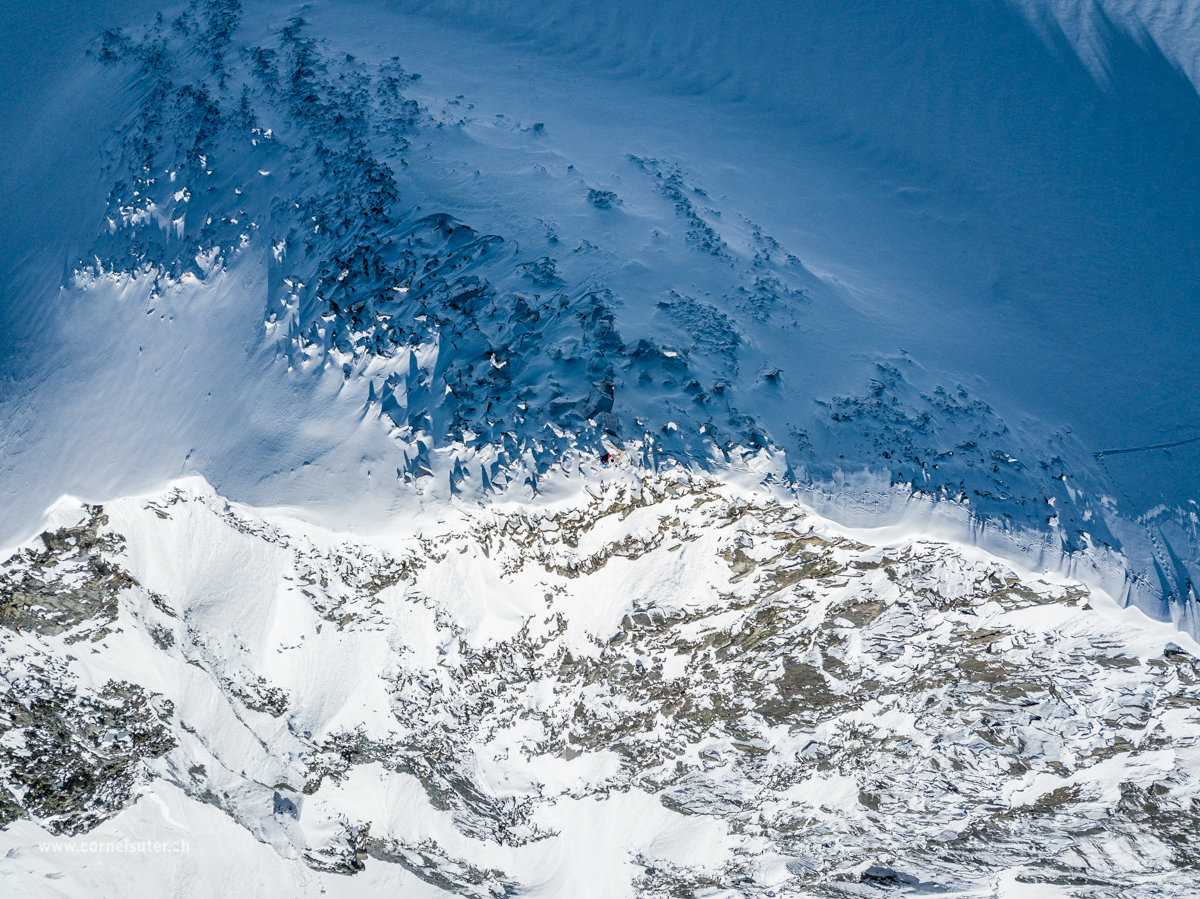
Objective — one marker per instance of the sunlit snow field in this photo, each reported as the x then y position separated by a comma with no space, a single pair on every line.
930,270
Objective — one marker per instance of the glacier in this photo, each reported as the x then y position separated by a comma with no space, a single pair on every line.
304,302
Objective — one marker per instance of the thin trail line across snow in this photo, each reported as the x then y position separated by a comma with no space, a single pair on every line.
1139,449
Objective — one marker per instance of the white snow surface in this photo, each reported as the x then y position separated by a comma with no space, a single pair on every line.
277,660
926,271
880,238
292,663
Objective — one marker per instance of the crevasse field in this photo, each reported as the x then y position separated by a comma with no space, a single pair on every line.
600,449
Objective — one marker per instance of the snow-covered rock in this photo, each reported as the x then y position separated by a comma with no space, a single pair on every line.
664,685
609,448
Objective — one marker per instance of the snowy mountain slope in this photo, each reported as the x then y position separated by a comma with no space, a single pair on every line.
669,686
920,342
655,449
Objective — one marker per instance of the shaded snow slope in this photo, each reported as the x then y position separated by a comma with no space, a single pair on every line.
899,249
664,687
656,449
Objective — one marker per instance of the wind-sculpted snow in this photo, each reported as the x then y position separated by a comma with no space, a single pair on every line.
491,355
482,349
678,449
667,688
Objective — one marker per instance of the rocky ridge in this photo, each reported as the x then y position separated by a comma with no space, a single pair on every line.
851,718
